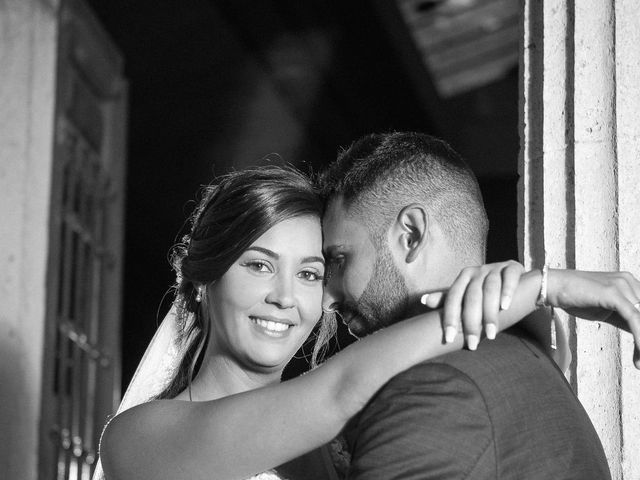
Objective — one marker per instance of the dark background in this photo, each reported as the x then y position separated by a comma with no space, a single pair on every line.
216,85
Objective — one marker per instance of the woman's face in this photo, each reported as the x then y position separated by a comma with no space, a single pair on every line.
265,306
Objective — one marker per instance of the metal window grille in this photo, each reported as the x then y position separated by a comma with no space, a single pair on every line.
82,259
82,368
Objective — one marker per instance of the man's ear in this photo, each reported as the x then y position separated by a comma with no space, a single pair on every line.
411,230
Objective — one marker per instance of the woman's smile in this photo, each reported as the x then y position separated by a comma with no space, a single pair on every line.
272,327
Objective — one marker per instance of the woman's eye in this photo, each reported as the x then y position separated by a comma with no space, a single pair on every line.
311,276
258,266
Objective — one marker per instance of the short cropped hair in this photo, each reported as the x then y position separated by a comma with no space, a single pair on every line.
381,173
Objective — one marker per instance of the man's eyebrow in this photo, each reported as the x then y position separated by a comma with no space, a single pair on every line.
313,259
266,251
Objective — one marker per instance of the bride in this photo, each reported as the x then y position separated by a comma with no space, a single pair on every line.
207,401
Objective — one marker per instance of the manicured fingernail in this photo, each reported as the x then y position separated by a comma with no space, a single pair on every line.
423,298
491,330
472,342
505,302
450,333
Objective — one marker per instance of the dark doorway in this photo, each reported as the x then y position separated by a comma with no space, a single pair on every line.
220,84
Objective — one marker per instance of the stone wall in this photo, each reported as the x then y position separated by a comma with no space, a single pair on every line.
28,39
579,167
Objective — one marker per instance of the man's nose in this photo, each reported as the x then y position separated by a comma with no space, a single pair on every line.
282,294
331,297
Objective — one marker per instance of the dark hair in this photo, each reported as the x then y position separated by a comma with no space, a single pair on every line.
381,172
233,213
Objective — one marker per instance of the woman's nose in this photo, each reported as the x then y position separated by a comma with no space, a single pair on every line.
281,294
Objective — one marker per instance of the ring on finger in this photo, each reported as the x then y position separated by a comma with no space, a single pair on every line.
636,305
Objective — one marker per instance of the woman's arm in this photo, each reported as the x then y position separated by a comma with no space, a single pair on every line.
239,435
236,436
610,297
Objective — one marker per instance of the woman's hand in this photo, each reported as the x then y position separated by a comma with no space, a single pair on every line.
475,298
611,297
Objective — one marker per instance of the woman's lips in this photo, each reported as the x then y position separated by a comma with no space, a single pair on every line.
271,326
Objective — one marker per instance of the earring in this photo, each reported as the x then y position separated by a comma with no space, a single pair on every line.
199,294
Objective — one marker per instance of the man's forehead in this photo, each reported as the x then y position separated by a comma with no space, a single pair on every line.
340,230
335,209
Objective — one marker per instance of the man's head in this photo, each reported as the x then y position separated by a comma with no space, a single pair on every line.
403,215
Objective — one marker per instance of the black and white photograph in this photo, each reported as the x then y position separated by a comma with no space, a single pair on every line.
319,240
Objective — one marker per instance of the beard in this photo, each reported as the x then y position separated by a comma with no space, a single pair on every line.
384,301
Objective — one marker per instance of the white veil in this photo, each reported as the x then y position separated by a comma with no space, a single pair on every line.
157,368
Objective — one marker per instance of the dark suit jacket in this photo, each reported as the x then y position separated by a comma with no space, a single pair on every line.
502,412
315,465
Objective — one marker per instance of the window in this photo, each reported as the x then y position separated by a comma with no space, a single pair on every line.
82,367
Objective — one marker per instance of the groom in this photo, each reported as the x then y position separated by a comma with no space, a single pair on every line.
404,215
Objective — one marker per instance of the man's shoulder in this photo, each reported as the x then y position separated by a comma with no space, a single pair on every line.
511,366
508,392
509,354
431,421
432,376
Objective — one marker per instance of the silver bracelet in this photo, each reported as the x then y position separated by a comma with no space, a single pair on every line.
542,296
542,302
553,334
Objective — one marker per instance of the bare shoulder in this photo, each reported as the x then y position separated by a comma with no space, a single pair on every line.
133,434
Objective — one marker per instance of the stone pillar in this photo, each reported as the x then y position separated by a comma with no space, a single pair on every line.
28,32
580,170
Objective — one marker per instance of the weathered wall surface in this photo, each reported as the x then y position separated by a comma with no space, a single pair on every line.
28,37
580,170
